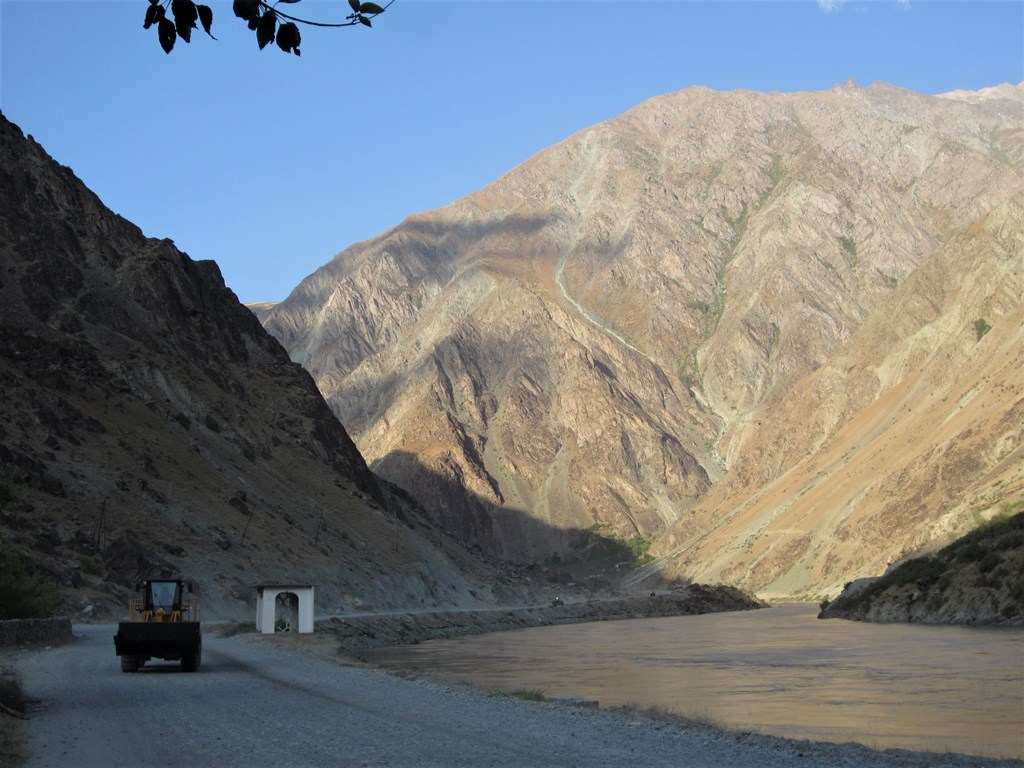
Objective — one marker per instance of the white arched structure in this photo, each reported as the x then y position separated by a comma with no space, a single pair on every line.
302,607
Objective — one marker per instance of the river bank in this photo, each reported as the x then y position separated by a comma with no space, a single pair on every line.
289,684
355,634
255,704
611,730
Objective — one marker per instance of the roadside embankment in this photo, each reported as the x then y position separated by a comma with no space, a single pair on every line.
359,633
32,631
18,634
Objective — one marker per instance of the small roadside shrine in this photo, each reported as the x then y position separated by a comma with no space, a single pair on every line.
292,603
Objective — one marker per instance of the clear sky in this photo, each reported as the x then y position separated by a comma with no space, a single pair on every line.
271,164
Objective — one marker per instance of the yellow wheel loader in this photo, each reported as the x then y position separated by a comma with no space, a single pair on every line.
162,624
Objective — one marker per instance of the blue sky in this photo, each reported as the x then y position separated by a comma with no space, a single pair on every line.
271,164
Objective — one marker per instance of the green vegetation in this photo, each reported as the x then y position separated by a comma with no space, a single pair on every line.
639,547
91,565
981,327
982,558
923,571
739,226
776,172
607,545
528,694
23,594
850,246
688,370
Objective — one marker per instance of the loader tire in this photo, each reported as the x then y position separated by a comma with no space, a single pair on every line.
130,664
191,663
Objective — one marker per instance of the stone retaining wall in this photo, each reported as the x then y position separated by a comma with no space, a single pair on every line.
32,631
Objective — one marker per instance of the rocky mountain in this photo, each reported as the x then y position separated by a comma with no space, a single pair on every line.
780,334
148,423
978,579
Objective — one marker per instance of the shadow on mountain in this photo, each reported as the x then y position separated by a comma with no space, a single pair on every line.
512,534
513,225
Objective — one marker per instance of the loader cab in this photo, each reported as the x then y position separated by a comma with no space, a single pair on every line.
162,601
164,595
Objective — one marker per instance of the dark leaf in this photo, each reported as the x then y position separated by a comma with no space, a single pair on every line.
364,20
253,23
266,28
152,16
247,9
185,15
206,18
287,1
371,8
167,34
288,37
185,9
153,2
354,4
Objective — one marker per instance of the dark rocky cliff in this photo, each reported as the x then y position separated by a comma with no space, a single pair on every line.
148,423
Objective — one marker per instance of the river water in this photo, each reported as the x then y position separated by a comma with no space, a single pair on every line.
778,671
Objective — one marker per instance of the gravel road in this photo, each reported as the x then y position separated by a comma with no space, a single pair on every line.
255,702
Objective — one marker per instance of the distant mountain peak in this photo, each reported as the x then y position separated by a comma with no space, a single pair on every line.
647,326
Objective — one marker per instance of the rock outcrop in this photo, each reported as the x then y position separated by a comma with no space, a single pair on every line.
780,332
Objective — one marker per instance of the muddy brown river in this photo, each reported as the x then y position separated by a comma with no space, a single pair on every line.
779,671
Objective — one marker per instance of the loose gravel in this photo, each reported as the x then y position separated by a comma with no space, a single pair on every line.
259,701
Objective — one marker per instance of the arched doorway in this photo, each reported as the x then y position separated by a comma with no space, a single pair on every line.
290,603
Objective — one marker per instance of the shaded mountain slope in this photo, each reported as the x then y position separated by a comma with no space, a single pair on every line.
978,579
688,320
148,423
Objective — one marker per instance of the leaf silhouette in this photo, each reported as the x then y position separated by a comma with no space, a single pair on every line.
265,29
246,9
185,15
153,14
205,18
167,35
288,38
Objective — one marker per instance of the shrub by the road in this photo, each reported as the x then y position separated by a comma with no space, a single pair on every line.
24,594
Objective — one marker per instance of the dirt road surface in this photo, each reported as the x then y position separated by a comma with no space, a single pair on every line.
256,703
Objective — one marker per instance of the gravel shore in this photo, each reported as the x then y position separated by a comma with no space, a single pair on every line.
356,633
573,735
295,700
